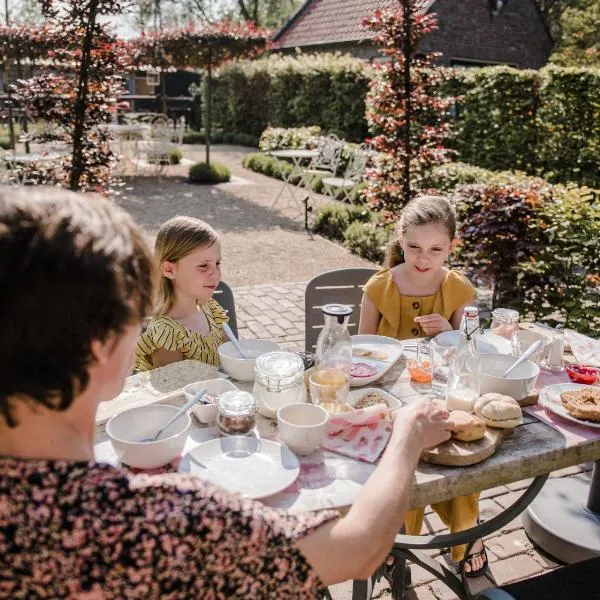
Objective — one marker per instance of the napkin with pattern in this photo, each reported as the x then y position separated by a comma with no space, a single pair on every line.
585,349
362,434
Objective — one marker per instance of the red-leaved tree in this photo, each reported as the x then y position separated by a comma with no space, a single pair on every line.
404,108
79,90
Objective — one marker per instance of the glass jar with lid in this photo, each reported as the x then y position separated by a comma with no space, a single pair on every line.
505,323
334,346
278,381
237,412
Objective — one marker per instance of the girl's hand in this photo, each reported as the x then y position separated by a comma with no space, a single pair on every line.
433,324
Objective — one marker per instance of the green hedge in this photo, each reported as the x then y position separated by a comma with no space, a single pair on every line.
327,90
209,173
220,137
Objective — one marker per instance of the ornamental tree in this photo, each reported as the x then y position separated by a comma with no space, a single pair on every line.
404,107
78,90
205,48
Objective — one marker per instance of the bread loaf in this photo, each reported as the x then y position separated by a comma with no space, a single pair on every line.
466,427
498,410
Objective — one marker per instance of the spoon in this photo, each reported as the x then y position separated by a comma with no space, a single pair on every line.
531,350
234,340
176,416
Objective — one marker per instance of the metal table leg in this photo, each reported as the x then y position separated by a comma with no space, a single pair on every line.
408,546
562,522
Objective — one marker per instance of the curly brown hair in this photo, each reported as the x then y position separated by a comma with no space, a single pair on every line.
74,269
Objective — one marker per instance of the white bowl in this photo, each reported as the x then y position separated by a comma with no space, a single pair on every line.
520,382
127,428
207,413
240,368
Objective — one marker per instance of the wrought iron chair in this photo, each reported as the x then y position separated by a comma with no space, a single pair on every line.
352,176
342,285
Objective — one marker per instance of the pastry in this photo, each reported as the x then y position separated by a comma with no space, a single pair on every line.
583,403
498,410
466,427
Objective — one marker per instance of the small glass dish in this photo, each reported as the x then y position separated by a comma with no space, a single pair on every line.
582,373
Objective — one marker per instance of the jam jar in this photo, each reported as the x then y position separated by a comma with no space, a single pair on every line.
237,413
505,323
278,380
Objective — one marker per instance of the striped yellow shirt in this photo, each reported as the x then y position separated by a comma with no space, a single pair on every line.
165,332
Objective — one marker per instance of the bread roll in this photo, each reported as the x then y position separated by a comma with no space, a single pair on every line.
498,410
466,427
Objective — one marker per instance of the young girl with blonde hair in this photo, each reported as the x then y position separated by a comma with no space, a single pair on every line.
187,322
416,296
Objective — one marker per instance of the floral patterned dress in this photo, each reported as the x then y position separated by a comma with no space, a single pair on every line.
87,531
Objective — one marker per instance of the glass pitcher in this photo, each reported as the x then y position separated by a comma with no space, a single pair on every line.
334,346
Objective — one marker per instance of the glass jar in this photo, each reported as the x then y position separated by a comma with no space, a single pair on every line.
237,413
505,323
278,381
334,346
554,358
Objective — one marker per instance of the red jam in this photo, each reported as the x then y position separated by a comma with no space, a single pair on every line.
582,374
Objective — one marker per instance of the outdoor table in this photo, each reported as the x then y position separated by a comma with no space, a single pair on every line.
26,160
298,157
332,481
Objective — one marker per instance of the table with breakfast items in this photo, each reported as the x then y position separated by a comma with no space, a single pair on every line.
543,442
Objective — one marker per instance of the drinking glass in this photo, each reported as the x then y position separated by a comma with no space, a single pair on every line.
441,357
329,389
418,363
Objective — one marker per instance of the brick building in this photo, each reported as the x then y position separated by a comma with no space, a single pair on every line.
471,32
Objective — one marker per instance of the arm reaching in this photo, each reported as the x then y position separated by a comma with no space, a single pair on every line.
354,546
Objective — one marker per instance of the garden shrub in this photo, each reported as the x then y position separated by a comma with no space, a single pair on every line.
219,137
278,138
209,173
332,220
175,156
367,240
5,143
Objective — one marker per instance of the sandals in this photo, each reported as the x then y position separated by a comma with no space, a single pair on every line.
470,556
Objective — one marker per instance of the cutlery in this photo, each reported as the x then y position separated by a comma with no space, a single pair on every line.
531,350
176,416
234,340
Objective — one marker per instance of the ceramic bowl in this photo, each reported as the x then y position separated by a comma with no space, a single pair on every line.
127,428
520,382
207,412
242,369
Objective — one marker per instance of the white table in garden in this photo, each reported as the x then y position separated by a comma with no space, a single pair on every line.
298,157
329,480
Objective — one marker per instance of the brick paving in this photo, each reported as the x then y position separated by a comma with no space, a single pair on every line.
276,312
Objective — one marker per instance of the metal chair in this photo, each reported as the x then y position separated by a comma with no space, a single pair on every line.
224,296
327,161
342,285
352,176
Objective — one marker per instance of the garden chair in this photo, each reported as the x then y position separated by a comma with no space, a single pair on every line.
155,149
352,176
327,162
224,296
344,286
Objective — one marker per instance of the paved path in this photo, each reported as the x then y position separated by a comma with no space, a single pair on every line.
276,312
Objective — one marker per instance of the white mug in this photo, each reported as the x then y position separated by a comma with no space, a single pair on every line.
302,427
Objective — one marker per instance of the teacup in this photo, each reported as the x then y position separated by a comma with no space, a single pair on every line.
302,427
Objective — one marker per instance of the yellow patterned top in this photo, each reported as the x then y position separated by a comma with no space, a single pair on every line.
165,332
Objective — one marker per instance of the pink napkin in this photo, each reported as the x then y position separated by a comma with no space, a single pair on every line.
572,431
585,349
362,434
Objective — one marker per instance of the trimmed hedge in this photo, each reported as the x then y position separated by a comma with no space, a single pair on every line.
327,90
209,173
543,122
220,137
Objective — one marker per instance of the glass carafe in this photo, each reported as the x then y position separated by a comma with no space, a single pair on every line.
465,366
334,346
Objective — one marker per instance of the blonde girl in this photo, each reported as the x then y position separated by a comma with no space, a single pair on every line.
188,323
416,296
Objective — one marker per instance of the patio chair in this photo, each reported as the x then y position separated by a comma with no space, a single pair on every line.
224,296
579,580
352,176
327,162
342,285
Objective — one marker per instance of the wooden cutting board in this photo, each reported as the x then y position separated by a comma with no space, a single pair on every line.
454,453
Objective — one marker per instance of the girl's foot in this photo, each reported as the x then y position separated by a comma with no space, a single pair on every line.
475,563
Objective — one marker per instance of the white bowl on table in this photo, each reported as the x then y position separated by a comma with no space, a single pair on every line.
126,430
242,369
207,412
519,383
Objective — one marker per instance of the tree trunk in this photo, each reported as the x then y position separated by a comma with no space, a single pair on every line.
208,105
25,123
407,51
80,107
